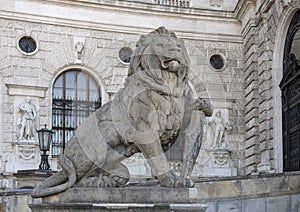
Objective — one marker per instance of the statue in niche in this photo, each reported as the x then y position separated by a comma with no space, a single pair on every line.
219,126
79,46
148,115
26,118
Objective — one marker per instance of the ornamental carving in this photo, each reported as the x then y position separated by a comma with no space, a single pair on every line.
27,152
221,157
79,46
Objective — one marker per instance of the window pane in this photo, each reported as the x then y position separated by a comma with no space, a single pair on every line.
295,49
82,91
94,91
57,142
70,85
58,88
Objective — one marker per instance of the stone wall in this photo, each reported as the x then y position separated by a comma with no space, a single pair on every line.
224,88
36,73
56,53
57,34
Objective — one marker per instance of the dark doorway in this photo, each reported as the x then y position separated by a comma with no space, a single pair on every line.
290,88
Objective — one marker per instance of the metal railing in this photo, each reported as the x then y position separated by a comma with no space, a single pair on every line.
175,3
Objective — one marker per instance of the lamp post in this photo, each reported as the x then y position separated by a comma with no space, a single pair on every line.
45,140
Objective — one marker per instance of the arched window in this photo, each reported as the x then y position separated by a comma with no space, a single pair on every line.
75,96
290,88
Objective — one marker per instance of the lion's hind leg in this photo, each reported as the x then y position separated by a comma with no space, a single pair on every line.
99,177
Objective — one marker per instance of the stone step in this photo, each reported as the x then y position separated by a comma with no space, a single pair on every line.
103,207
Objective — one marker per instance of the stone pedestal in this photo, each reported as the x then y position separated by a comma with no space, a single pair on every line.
220,165
25,155
152,198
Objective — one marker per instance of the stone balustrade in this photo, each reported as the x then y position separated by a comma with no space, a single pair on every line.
175,3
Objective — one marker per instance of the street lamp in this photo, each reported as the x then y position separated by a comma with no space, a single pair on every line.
45,140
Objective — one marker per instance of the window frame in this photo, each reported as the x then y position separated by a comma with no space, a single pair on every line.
71,105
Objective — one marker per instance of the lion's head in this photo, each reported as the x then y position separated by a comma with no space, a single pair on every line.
160,50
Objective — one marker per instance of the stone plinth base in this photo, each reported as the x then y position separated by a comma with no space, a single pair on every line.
147,194
152,198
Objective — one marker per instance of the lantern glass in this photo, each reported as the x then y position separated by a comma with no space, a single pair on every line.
45,139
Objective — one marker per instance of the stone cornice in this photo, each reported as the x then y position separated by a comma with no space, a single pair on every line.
136,18
266,6
242,7
144,8
248,26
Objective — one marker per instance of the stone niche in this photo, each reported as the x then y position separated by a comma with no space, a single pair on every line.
25,153
215,156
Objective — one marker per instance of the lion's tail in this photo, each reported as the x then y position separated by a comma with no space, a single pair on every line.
46,190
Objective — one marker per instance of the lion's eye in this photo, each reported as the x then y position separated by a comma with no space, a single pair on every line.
159,44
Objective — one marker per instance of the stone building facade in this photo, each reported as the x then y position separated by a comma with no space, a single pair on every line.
236,50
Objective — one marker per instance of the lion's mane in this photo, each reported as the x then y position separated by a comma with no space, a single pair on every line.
143,54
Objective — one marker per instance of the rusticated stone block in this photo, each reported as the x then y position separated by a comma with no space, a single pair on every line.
229,188
206,190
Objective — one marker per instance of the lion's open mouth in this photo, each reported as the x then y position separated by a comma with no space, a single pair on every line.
172,65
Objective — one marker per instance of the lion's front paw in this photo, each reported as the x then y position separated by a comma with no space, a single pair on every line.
169,179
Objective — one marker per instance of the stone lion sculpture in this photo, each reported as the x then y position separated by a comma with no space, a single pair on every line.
148,115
